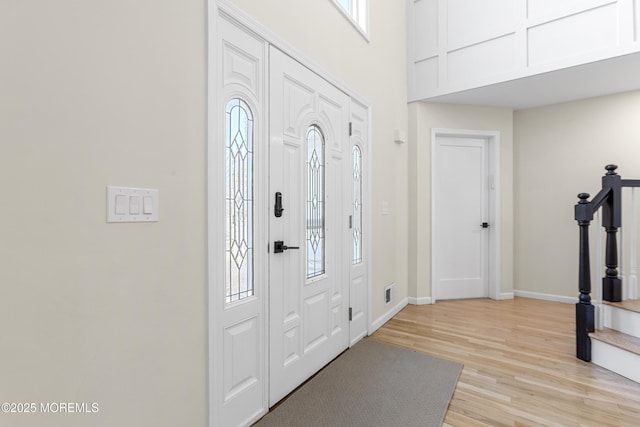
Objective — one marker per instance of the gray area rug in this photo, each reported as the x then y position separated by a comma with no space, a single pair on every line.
372,384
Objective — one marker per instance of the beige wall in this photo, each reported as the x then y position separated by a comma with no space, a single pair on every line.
422,118
560,151
376,71
96,93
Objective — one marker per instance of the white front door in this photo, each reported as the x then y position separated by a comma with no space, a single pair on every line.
460,207
310,158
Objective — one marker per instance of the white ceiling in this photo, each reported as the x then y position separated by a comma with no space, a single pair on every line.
615,75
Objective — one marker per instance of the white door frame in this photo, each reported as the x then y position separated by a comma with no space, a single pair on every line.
494,255
226,9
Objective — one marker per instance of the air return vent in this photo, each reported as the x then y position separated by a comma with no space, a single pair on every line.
389,293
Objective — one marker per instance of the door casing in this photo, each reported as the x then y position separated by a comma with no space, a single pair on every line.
493,146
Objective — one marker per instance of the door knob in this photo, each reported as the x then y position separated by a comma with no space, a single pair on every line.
279,247
484,225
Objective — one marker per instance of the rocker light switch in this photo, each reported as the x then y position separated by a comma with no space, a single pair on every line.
147,205
134,205
120,204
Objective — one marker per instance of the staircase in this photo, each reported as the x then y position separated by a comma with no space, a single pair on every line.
616,347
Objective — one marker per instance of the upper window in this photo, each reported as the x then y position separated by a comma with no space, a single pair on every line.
358,13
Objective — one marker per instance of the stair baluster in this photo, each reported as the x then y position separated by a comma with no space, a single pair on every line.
585,319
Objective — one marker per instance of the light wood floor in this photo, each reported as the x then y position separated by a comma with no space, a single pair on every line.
519,362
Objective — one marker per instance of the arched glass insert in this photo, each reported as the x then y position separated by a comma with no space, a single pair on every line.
239,201
357,205
315,202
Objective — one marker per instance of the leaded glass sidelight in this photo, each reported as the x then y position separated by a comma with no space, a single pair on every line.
239,201
357,205
315,202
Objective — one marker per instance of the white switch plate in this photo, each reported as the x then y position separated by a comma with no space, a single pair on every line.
385,208
128,206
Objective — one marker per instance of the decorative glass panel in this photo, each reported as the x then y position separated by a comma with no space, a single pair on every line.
357,205
315,202
239,201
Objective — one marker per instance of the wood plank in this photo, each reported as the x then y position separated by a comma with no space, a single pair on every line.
618,339
630,305
519,362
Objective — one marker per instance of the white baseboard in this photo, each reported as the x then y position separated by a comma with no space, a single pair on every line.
546,297
420,300
429,300
387,316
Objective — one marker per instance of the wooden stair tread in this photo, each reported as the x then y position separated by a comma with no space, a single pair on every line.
618,339
630,305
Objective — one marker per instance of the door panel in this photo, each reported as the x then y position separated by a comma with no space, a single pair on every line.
358,238
308,319
238,156
240,344
460,202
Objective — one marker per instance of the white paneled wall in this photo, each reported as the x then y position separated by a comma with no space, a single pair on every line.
455,45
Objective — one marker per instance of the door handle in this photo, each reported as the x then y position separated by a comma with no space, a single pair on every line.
484,225
279,247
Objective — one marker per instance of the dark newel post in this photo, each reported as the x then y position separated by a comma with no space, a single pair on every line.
611,221
584,309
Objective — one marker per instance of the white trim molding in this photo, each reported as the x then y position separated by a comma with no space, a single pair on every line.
546,297
388,316
420,300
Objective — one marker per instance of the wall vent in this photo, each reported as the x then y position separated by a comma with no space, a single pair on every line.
389,293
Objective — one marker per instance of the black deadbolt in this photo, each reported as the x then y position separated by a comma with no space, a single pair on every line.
277,209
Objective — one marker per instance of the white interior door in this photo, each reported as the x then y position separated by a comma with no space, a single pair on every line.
308,286
460,207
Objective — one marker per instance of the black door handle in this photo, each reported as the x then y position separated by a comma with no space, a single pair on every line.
484,225
279,247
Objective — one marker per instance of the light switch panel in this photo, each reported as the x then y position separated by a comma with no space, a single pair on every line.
128,204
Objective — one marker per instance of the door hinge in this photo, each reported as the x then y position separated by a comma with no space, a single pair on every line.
350,221
350,313
350,128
